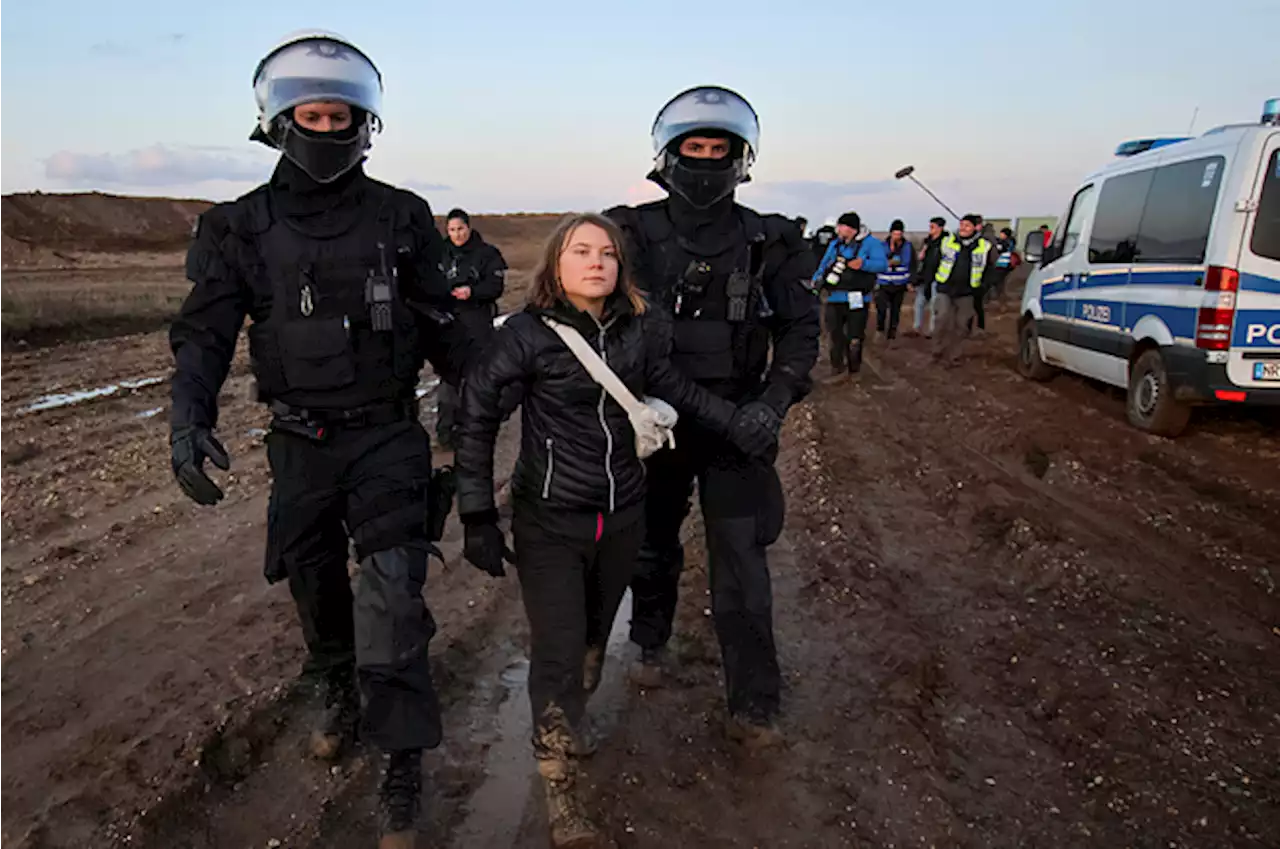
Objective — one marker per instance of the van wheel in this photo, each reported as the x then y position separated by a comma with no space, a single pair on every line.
1030,365
1152,406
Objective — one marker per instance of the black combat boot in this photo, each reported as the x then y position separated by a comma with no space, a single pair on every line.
399,799
337,727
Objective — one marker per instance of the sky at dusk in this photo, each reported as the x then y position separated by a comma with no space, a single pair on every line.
506,106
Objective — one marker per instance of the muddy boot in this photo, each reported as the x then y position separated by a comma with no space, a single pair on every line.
399,799
592,666
753,733
566,817
648,671
337,727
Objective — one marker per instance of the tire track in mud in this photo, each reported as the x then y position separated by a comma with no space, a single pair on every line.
1014,514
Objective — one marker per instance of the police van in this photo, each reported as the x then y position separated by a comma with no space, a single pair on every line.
1164,276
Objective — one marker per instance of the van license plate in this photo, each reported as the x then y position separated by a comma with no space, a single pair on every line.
1266,371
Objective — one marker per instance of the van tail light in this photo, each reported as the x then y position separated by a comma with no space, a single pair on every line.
1217,309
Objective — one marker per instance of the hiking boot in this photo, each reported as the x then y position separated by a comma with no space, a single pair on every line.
399,799
592,665
647,672
566,816
337,727
753,733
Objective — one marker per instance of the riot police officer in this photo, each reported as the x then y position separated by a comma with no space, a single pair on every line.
746,327
333,268
476,273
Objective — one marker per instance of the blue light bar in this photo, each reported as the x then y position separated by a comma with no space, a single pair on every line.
1271,112
1131,148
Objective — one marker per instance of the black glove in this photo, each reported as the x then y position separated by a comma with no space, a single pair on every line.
190,446
485,547
754,429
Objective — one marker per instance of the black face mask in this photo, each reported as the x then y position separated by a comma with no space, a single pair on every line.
701,182
323,156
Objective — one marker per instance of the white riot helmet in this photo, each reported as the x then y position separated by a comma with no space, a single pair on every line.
311,66
711,111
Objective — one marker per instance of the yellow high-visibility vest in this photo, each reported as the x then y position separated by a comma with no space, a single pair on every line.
950,248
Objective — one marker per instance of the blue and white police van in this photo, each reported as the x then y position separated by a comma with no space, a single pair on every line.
1164,276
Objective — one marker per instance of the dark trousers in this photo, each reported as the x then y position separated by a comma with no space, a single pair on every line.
477,319
846,328
447,403
367,485
889,309
995,288
572,589
742,509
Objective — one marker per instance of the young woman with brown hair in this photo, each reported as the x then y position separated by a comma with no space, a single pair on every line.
578,487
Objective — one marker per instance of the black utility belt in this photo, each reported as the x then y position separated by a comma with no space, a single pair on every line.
314,424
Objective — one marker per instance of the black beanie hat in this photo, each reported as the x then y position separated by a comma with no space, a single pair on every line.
850,219
459,214
897,225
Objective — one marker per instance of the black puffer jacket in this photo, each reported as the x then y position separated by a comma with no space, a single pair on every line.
577,448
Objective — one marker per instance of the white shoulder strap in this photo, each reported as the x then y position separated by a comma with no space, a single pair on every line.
596,367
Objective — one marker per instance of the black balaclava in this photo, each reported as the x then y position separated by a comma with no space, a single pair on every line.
702,192
318,175
317,209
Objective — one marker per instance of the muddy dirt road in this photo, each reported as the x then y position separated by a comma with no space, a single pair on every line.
1006,619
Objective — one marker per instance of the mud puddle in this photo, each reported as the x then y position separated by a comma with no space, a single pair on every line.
54,400
500,814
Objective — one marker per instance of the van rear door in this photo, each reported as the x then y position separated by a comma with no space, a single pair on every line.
1254,358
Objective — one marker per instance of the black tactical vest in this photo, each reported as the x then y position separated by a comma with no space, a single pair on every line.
716,299
331,330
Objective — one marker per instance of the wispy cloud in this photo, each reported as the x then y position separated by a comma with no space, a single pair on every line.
156,166
832,190
424,187
111,48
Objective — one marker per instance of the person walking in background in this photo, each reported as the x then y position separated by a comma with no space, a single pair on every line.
476,275
963,264
891,285
980,300
802,224
1006,261
821,239
926,269
848,274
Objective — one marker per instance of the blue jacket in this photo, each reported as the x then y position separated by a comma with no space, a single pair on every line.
874,260
901,275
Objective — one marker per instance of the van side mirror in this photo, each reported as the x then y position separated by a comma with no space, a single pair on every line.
1051,253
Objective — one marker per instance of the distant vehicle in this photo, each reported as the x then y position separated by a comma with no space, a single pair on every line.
1165,277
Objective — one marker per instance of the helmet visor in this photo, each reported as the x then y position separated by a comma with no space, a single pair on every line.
317,70
707,108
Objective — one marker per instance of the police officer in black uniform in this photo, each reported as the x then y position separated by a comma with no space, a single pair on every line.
476,274
746,327
332,268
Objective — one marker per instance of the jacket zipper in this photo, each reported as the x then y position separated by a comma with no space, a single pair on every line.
551,464
608,435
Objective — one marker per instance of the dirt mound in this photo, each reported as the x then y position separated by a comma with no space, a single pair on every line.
42,230
96,222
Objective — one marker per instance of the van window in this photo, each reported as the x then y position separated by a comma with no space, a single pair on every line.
1069,236
1266,225
1115,224
1179,211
